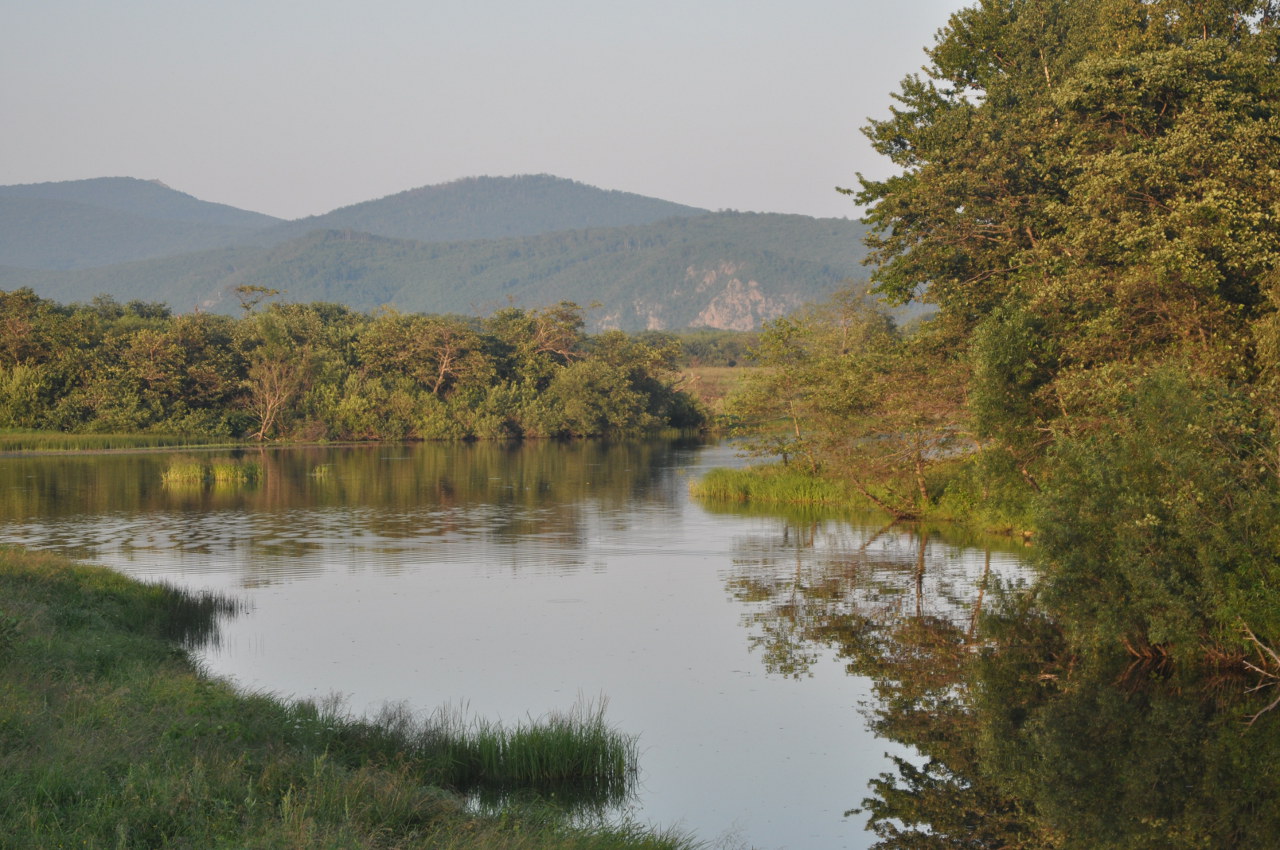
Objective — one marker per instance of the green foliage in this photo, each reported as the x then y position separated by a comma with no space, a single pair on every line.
1084,185
709,347
1159,529
322,372
844,394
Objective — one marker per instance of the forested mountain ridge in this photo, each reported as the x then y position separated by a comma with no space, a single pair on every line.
86,223
491,208
649,264
147,198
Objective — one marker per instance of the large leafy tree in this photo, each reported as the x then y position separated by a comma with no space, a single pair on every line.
1105,172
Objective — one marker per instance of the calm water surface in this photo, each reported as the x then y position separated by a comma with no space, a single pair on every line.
515,581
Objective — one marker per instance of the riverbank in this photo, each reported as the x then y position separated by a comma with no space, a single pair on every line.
110,736
953,497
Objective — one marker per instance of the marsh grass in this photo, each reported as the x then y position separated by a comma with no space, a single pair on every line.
235,472
771,485
573,757
12,440
220,472
182,471
110,737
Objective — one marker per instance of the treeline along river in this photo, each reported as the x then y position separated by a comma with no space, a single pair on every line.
772,665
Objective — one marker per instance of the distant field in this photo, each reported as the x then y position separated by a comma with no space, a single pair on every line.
712,383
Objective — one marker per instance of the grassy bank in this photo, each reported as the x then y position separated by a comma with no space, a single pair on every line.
111,738
57,441
956,494
772,484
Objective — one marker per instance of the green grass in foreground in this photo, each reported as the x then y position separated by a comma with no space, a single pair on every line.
111,738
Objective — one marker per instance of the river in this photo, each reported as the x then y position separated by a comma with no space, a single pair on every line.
514,580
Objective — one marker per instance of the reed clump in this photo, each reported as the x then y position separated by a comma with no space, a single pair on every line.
195,472
111,737
235,471
575,754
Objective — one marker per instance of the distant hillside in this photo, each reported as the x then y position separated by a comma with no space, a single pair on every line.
728,270
148,198
647,263
491,208
86,223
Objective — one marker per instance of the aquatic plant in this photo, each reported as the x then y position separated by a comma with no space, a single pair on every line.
770,484
189,471
234,471
574,756
20,440
184,471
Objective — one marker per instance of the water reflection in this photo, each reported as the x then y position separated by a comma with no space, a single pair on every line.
516,579
814,581
390,502
1013,740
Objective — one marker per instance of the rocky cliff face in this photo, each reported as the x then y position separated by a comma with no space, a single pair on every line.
734,303
724,296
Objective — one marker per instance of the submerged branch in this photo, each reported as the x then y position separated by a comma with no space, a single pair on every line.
1268,669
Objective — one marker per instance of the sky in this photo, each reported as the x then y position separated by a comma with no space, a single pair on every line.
295,108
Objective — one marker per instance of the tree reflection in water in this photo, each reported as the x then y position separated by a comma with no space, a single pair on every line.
1018,742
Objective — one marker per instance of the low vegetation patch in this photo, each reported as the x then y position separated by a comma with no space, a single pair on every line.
110,737
772,484
18,440
190,471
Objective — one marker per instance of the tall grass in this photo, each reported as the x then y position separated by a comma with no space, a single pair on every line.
195,472
771,485
573,757
47,441
111,738
575,754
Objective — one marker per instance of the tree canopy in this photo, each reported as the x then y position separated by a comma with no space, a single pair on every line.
1086,187
323,372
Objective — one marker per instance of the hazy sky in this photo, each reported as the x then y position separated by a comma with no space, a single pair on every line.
294,108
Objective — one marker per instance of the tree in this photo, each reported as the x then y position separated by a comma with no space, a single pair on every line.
276,379
529,345
435,352
843,392
1103,171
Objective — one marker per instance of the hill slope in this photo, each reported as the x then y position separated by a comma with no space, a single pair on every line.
661,265
86,223
730,270
491,208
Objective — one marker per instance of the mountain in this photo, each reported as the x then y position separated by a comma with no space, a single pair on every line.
86,223
491,208
467,247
